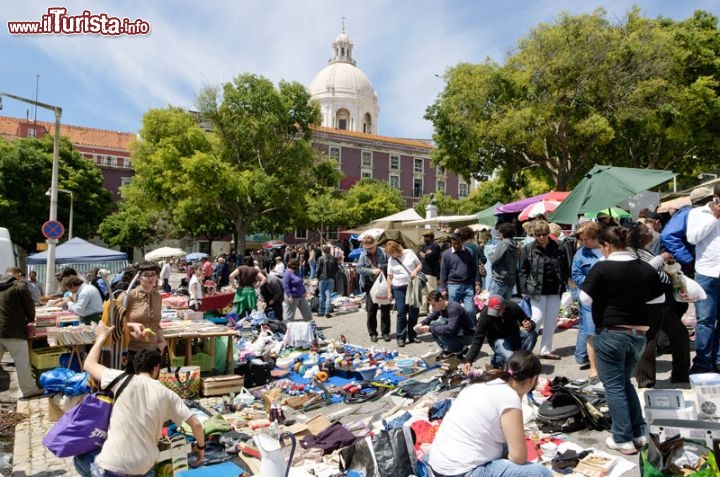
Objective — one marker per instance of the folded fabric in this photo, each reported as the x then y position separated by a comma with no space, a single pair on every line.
334,437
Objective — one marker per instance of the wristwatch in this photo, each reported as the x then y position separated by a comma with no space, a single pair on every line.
200,447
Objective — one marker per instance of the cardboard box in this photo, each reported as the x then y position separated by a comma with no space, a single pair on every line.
222,385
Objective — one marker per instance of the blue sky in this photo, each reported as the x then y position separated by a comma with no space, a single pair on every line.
109,82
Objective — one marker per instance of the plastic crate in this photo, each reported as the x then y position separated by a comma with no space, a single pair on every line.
46,358
204,360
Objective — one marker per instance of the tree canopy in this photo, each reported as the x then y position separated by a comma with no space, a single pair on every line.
25,177
636,92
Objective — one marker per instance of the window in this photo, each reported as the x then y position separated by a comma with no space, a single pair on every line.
301,233
418,167
343,119
394,162
334,153
107,160
439,171
365,174
417,187
440,186
332,234
125,181
367,159
204,247
128,163
31,132
462,189
342,123
395,181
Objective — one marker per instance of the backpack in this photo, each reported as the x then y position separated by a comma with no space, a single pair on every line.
569,411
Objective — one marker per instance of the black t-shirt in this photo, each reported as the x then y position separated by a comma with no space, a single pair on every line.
431,262
620,291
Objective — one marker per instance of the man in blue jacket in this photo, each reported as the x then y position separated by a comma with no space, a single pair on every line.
450,324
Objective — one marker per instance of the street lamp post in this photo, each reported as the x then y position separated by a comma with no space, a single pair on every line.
70,222
50,268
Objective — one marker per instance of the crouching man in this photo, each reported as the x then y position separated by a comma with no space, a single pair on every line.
507,329
137,416
450,324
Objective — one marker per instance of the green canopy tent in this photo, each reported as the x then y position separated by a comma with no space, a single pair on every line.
487,216
605,186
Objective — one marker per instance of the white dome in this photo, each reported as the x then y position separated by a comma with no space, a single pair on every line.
342,80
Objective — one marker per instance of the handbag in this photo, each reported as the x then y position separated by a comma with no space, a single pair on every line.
184,381
84,428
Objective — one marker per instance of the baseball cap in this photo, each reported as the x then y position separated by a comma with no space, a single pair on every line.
495,304
700,193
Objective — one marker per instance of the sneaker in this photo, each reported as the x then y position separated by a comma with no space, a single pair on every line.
328,315
584,366
401,343
386,337
640,442
627,448
373,338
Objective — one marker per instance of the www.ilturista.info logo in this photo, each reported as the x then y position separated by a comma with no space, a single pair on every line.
58,22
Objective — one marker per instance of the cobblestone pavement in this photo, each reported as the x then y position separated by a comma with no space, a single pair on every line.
32,459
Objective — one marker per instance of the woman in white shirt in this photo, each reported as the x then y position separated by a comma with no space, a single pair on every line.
403,266
195,287
483,435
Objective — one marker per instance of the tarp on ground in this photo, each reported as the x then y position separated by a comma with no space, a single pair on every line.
517,206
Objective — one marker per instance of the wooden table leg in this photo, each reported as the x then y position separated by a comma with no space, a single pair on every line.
229,356
188,351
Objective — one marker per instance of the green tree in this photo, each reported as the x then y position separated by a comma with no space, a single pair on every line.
370,199
263,134
580,91
487,193
130,226
25,170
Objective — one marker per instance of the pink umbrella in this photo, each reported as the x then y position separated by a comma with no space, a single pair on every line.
544,207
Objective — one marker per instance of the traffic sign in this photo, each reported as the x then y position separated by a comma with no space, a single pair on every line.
52,229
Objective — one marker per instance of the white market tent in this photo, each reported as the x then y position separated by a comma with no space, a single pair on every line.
80,255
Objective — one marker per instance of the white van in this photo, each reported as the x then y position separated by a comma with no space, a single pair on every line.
7,251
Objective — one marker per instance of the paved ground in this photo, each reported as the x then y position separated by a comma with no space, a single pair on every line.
30,458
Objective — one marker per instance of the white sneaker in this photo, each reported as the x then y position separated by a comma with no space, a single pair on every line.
640,442
627,448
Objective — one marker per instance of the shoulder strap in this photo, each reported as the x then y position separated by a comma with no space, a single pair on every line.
122,387
114,382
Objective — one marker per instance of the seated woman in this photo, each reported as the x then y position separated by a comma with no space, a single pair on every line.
482,435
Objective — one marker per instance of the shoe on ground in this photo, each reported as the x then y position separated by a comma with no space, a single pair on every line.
552,356
640,442
414,340
679,379
627,448
328,315
373,338
584,366
401,343
386,337
32,394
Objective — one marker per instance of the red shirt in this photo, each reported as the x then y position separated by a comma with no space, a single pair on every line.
207,269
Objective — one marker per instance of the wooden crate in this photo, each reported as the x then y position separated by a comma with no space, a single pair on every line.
222,385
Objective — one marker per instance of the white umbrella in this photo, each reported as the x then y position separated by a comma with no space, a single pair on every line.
165,252
374,233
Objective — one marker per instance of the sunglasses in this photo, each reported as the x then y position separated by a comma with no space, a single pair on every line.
541,235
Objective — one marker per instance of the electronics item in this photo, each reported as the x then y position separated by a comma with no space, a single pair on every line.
707,390
664,399
704,431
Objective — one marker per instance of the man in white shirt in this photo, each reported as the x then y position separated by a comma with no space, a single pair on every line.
85,300
165,273
703,231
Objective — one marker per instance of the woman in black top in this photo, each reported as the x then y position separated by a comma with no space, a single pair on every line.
619,290
544,271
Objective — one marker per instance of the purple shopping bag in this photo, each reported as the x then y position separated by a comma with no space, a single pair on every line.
84,427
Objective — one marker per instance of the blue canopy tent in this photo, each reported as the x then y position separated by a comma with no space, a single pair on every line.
80,255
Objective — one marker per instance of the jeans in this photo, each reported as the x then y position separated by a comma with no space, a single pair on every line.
586,330
544,313
463,294
326,288
313,270
505,468
166,285
706,333
451,343
83,462
98,472
407,316
503,289
617,354
503,348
